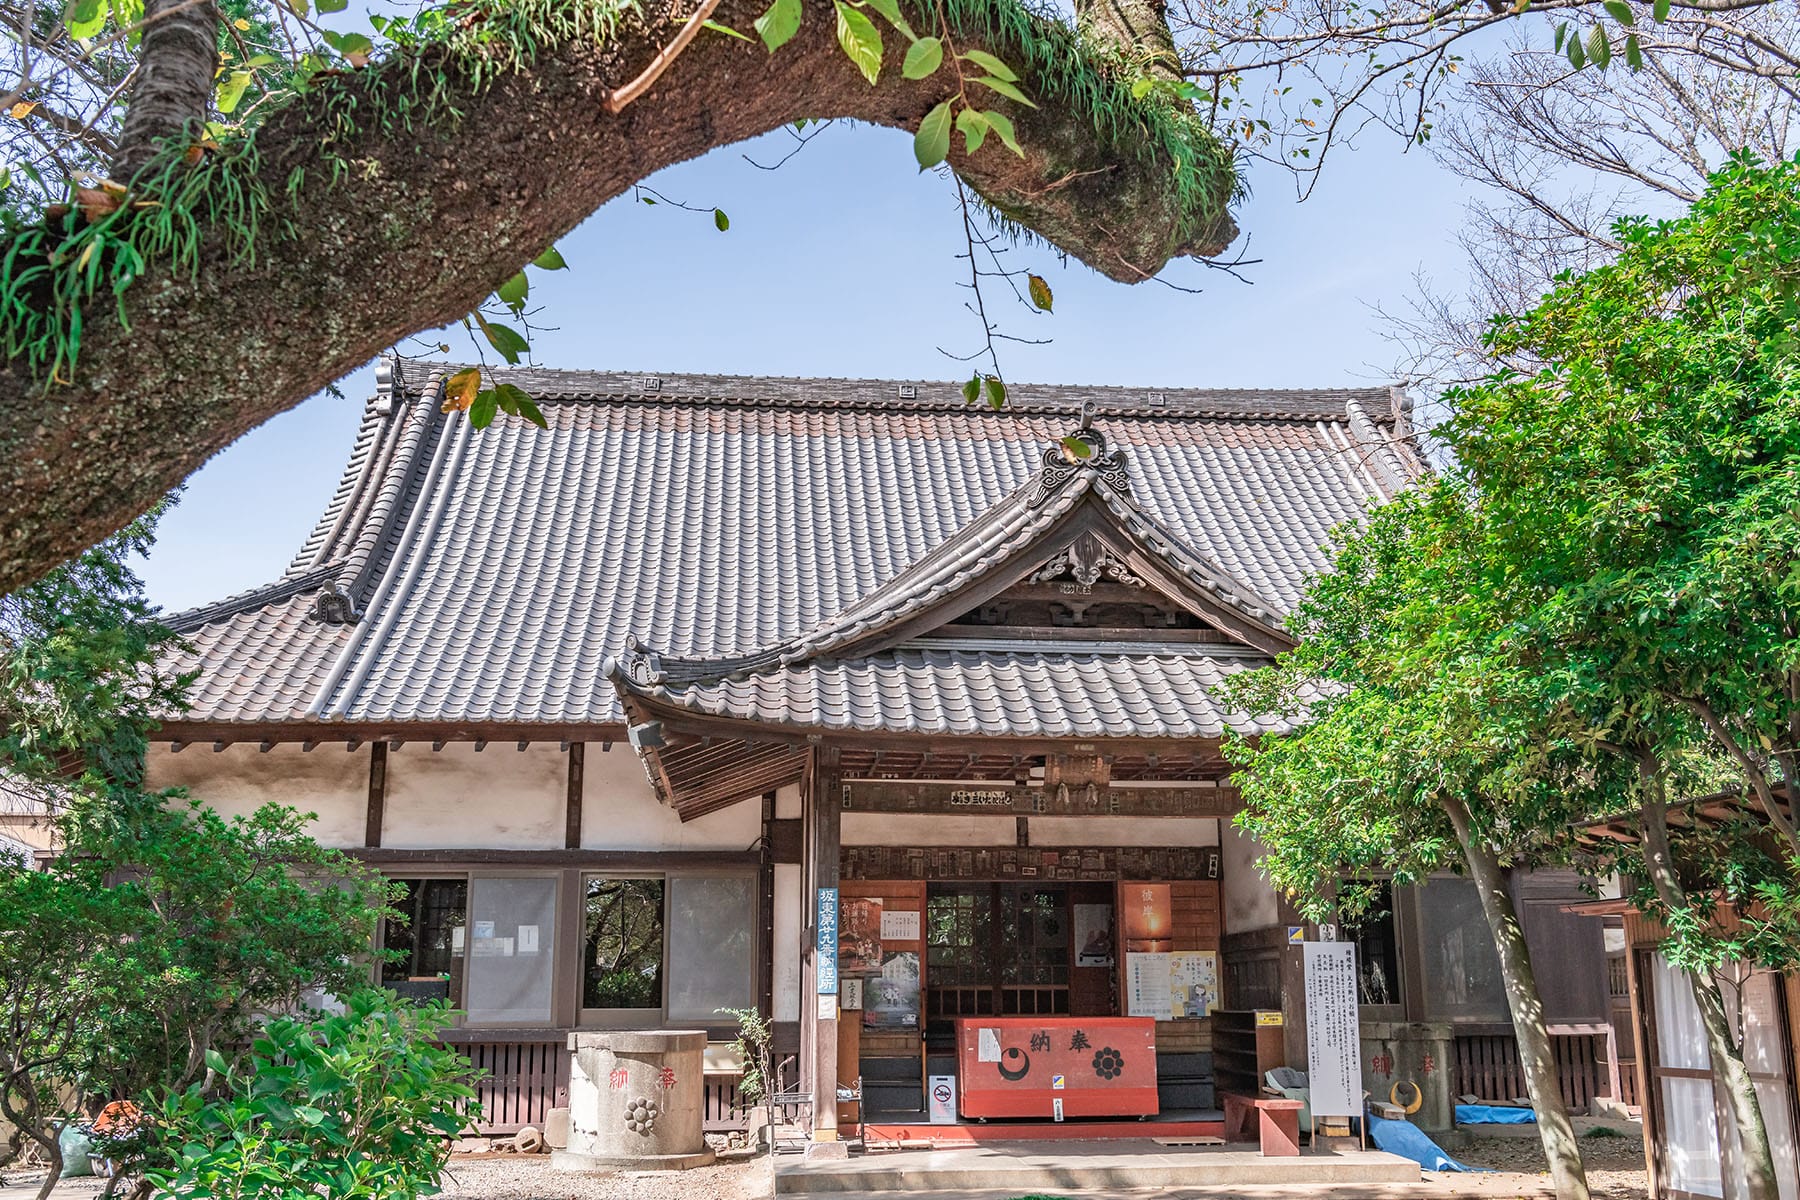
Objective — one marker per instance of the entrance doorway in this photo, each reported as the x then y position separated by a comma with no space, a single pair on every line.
1008,949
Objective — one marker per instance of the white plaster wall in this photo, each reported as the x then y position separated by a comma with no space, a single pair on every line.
500,798
238,780
926,829
1249,900
620,812
787,801
786,978
1124,831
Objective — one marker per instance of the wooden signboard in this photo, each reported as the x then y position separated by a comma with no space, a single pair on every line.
906,796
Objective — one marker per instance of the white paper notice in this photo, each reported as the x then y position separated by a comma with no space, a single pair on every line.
987,1045
828,1006
456,939
528,939
1333,1035
1147,992
899,926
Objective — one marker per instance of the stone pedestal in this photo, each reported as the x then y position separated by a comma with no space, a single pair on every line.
1398,1056
636,1101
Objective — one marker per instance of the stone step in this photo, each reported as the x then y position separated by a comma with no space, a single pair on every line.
1060,1167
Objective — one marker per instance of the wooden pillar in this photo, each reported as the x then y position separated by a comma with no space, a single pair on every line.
821,815
376,816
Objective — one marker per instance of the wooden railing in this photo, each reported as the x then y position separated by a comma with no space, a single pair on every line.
524,1080
1487,1065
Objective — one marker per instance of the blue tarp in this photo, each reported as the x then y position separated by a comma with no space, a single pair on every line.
1493,1114
1409,1141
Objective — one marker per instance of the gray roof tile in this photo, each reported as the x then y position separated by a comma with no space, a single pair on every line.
497,572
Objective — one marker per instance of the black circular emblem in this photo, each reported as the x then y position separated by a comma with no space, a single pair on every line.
1108,1063
1014,1065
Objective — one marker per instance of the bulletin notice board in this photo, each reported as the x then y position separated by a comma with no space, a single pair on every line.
887,930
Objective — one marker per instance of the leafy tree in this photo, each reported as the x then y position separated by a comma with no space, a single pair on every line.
359,1104
1419,745
160,930
1646,473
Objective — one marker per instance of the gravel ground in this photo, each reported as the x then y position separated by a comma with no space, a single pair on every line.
1615,1165
529,1177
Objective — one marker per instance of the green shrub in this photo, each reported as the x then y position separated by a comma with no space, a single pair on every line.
358,1105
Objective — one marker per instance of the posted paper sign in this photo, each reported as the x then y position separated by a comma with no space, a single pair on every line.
1147,986
899,926
1333,1036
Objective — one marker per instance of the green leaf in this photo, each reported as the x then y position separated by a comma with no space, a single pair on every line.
891,10
1620,12
779,22
512,293
331,6
860,40
527,409
972,390
991,65
721,222
550,260
1599,49
716,27
1577,56
1005,89
481,415
996,392
1003,127
216,1061
230,91
85,18
503,338
974,128
1077,447
923,57
306,1112
1634,54
1660,10
353,46
1142,87
506,396
931,144
1562,31
1040,292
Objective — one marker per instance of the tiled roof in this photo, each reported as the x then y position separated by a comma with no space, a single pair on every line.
492,574
1046,691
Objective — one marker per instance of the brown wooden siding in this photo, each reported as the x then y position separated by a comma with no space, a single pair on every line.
520,1084
1487,1065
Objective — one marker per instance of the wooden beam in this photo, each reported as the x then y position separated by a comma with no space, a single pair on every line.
1208,799
377,815
597,860
572,815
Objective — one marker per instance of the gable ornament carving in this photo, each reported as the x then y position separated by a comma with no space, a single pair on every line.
1087,561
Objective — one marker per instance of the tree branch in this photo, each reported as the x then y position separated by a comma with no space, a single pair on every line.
427,214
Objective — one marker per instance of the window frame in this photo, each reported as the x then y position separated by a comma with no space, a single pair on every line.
627,1018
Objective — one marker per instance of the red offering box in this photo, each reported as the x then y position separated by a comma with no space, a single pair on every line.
1098,1066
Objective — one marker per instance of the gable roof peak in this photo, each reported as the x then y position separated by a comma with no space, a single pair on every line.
1082,454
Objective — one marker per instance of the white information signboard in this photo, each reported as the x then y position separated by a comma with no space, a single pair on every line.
1147,986
1333,1037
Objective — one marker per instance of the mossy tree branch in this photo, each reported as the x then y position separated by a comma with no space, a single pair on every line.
444,171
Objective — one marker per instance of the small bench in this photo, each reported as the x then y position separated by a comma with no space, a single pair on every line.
1277,1122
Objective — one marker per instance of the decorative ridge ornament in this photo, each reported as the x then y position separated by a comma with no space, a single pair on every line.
334,605
1083,450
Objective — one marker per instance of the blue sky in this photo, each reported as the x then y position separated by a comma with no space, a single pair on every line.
842,263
